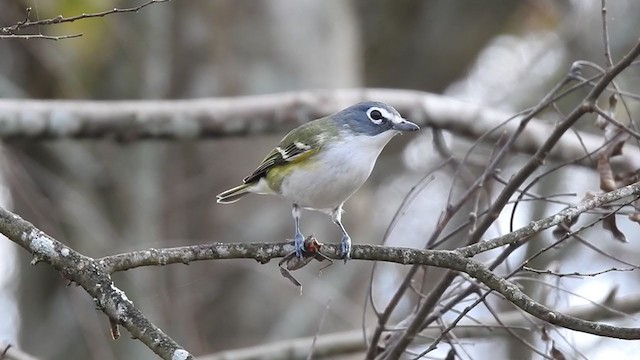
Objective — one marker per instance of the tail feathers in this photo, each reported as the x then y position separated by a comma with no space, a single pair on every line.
233,194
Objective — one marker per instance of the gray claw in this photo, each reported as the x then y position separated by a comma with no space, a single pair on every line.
299,245
345,248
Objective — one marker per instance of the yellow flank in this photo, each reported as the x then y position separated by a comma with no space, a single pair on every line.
276,174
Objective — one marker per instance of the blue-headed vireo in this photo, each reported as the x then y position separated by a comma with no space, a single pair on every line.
320,164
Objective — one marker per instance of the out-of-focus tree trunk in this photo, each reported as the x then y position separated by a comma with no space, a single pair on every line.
413,45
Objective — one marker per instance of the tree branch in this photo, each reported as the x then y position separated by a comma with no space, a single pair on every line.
89,274
263,252
38,36
94,274
223,117
454,260
563,216
405,337
10,31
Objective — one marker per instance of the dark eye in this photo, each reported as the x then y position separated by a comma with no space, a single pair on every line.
376,115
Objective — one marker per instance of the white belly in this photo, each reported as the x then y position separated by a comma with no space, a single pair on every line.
336,173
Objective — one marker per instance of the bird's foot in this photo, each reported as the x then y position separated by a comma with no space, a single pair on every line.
345,248
298,243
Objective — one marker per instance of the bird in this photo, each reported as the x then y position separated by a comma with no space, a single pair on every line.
320,164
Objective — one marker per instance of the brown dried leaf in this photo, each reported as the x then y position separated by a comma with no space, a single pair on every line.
451,355
564,228
607,183
544,336
609,223
616,147
614,139
115,331
556,354
286,273
291,262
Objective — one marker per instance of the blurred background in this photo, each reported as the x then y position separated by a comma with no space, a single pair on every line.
103,198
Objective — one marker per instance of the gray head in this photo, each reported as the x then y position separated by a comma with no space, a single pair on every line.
372,118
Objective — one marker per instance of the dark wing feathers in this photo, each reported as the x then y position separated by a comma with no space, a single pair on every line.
286,152
273,159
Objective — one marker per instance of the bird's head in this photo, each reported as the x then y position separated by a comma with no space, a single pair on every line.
372,118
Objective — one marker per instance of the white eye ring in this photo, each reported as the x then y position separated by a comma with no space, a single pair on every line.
377,115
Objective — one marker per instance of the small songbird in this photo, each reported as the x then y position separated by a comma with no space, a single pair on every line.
320,164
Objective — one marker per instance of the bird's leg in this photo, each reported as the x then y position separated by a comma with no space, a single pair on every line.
298,238
345,243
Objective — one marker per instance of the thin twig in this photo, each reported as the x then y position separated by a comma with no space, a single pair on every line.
47,249
38,36
605,34
575,273
406,338
615,122
315,337
26,23
535,227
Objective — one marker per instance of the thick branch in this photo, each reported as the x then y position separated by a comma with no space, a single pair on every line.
454,260
87,273
220,117
263,252
94,275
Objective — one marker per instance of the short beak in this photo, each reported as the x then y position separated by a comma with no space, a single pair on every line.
405,125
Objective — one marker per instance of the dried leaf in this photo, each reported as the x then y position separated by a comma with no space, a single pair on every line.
607,183
291,262
556,354
609,223
115,331
615,137
611,296
544,336
451,355
286,273
564,228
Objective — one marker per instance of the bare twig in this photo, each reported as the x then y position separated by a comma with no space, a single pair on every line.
9,352
536,226
403,340
516,181
315,337
10,31
605,34
38,36
575,273
615,122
